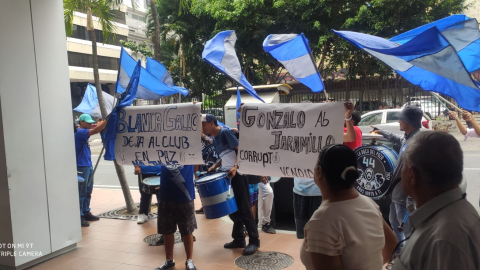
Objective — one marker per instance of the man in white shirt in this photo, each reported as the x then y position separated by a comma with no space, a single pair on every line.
445,228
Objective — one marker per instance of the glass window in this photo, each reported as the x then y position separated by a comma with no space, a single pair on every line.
392,117
372,119
86,60
81,32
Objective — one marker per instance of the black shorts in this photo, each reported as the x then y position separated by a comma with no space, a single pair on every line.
173,214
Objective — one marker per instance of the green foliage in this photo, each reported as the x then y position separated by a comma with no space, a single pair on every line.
141,48
253,20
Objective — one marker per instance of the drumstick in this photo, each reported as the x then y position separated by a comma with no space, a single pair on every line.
229,187
400,228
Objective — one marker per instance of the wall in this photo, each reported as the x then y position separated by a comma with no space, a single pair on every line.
37,166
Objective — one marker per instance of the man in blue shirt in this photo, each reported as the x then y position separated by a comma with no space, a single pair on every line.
84,164
176,208
226,146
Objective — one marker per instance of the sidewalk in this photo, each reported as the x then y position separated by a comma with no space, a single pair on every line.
118,244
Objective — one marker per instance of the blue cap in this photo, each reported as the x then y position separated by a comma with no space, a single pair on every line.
209,118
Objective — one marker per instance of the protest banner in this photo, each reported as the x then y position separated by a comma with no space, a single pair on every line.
159,135
284,140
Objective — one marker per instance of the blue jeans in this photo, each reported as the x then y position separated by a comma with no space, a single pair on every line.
397,213
85,189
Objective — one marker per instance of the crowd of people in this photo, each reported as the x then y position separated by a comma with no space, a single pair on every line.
340,228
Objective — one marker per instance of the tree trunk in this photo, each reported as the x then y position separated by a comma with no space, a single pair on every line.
156,34
131,207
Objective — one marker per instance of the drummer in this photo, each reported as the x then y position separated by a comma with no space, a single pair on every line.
410,122
209,156
144,172
226,146
176,208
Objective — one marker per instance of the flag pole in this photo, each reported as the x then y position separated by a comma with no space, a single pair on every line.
239,103
445,100
314,63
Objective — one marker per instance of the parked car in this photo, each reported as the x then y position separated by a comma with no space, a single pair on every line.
388,120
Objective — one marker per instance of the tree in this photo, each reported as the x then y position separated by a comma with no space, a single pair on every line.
156,32
253,20
183,37
141,48
101,9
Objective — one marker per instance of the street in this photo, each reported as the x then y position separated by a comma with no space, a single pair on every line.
106,177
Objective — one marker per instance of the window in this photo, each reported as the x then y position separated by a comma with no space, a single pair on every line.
372,119
138,17
81,32
86,60
393,117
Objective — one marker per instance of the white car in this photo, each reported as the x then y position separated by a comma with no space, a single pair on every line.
387,120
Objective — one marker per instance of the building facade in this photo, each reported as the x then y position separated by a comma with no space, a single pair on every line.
79,49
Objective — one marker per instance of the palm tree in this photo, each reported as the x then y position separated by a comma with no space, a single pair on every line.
102,9
156,32
183,7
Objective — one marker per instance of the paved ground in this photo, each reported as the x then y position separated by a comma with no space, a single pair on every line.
106,177
118,244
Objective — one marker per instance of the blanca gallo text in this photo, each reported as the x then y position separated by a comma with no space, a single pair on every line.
157,135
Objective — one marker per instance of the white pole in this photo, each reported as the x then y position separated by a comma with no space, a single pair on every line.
440,97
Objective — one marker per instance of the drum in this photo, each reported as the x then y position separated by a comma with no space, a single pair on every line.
151,185
214,190
376,165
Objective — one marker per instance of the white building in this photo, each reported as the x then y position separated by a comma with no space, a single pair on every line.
80,54
130,25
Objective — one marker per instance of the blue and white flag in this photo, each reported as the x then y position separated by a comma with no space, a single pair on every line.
220,53
149,88
427,60
89,104
158,70
293,52
460,31
125,99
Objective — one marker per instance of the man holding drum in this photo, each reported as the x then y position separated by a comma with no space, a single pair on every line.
145,198
226,146
410,122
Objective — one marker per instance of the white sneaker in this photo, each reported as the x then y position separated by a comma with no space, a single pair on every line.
142,218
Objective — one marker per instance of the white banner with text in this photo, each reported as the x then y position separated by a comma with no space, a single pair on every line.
159,135
284,140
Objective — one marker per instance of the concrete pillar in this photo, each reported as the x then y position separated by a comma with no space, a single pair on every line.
39,206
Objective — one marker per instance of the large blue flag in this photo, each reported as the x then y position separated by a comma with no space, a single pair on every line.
160,72
89,104
149,88
293,52
220,53
125,99
427,60
460,31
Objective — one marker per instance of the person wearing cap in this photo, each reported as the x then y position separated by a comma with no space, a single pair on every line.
226,146
410,122
84,164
